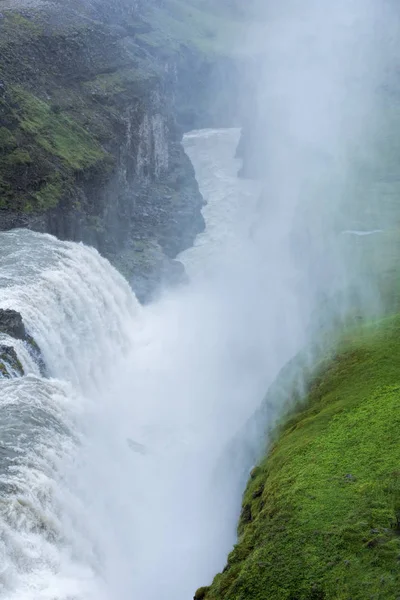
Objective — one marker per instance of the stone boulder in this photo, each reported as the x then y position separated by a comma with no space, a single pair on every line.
12,325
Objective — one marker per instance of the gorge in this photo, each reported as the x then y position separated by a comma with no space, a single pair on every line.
125,392
199,355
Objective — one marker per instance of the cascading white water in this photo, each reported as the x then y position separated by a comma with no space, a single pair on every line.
74,304
79,311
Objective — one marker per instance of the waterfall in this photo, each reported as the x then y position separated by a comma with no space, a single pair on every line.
74,304
79,310
110,476
108,464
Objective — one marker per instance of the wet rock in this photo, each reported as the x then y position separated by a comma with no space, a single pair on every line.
11,324
36,354
10,365
174,273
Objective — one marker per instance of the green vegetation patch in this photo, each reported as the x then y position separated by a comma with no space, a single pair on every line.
9,362
194,24
49,194
41,152
131,80
16,28
7,139
57,133
321,514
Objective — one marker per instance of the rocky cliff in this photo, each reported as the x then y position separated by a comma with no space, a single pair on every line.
94,97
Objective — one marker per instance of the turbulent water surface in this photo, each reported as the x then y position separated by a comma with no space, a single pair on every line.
115,471
231,202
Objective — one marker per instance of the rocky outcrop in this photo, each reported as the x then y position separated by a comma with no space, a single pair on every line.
11,324
94,97
12,328
10,365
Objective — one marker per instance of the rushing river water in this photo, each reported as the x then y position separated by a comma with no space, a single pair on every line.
115,472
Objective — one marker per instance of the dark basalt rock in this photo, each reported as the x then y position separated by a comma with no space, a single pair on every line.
11,324
9,363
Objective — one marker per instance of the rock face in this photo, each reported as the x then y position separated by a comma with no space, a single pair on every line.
94,97
12,325
10,365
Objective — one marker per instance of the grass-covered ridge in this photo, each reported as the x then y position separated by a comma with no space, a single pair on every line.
321,513
210,27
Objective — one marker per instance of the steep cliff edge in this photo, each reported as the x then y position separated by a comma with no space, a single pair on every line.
321,512
93,101
320,515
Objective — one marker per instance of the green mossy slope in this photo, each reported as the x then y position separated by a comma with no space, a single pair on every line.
321,514
211,28
41,152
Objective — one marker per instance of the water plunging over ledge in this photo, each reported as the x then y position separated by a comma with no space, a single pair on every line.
109,475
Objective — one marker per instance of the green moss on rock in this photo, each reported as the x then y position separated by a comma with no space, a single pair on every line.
201,593
50,193
7,139
18,24
57,134
19,156
321,513
42,152
10,365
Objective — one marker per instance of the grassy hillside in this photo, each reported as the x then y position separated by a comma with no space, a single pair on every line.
211,28
321,513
